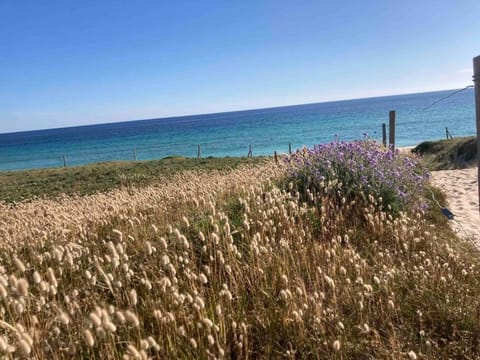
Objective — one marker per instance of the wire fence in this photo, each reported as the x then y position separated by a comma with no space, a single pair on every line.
132,154
80,156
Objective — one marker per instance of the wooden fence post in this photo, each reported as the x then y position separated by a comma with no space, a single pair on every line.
135,154
64,160
384,134
199,154
289,148
275,157
391,129
476,80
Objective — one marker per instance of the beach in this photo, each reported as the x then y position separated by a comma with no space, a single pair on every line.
461,189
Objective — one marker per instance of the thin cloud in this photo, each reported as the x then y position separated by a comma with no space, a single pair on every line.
465,71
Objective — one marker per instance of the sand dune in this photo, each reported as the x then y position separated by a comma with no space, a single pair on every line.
462,195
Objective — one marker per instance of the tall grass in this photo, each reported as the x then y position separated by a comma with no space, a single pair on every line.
229,265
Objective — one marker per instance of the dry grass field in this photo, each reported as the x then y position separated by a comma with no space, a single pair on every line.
233,264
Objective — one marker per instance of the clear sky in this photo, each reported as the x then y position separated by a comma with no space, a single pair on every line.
66,63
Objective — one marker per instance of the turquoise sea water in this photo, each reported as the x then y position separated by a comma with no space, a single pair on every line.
230,134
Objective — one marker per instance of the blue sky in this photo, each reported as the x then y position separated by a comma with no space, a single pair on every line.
66,63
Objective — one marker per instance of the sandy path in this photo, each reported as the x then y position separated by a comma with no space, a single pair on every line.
462,196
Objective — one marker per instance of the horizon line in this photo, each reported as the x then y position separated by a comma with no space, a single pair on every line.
227,112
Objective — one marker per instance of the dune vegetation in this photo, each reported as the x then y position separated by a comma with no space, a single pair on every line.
456,153
336,252
101,177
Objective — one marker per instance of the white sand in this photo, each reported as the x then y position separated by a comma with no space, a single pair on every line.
405,149
462,195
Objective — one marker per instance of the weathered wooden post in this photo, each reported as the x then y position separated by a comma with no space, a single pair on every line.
391,129
199,153
64,160
476,80
289,148
275,157
135,154
249,151
384,134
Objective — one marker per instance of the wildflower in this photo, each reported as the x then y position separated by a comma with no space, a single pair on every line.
163,243
199,301
120,318
165,260
329,282
227,294
24,347
412,355
64,318
203,278
96,321
36,278
51,277
336,345
207,322
182,331
144,345
211,340
22,287
109,326
133,297
132,318
87,335
134,352
151,341
19,265
118,233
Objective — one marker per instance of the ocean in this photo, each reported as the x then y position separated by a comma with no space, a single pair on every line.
231,133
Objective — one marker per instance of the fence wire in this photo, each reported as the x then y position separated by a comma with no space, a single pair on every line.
372,130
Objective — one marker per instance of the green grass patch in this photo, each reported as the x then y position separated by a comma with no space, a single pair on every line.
457,153
101,177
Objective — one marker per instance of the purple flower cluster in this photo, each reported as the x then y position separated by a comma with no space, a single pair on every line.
360,167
